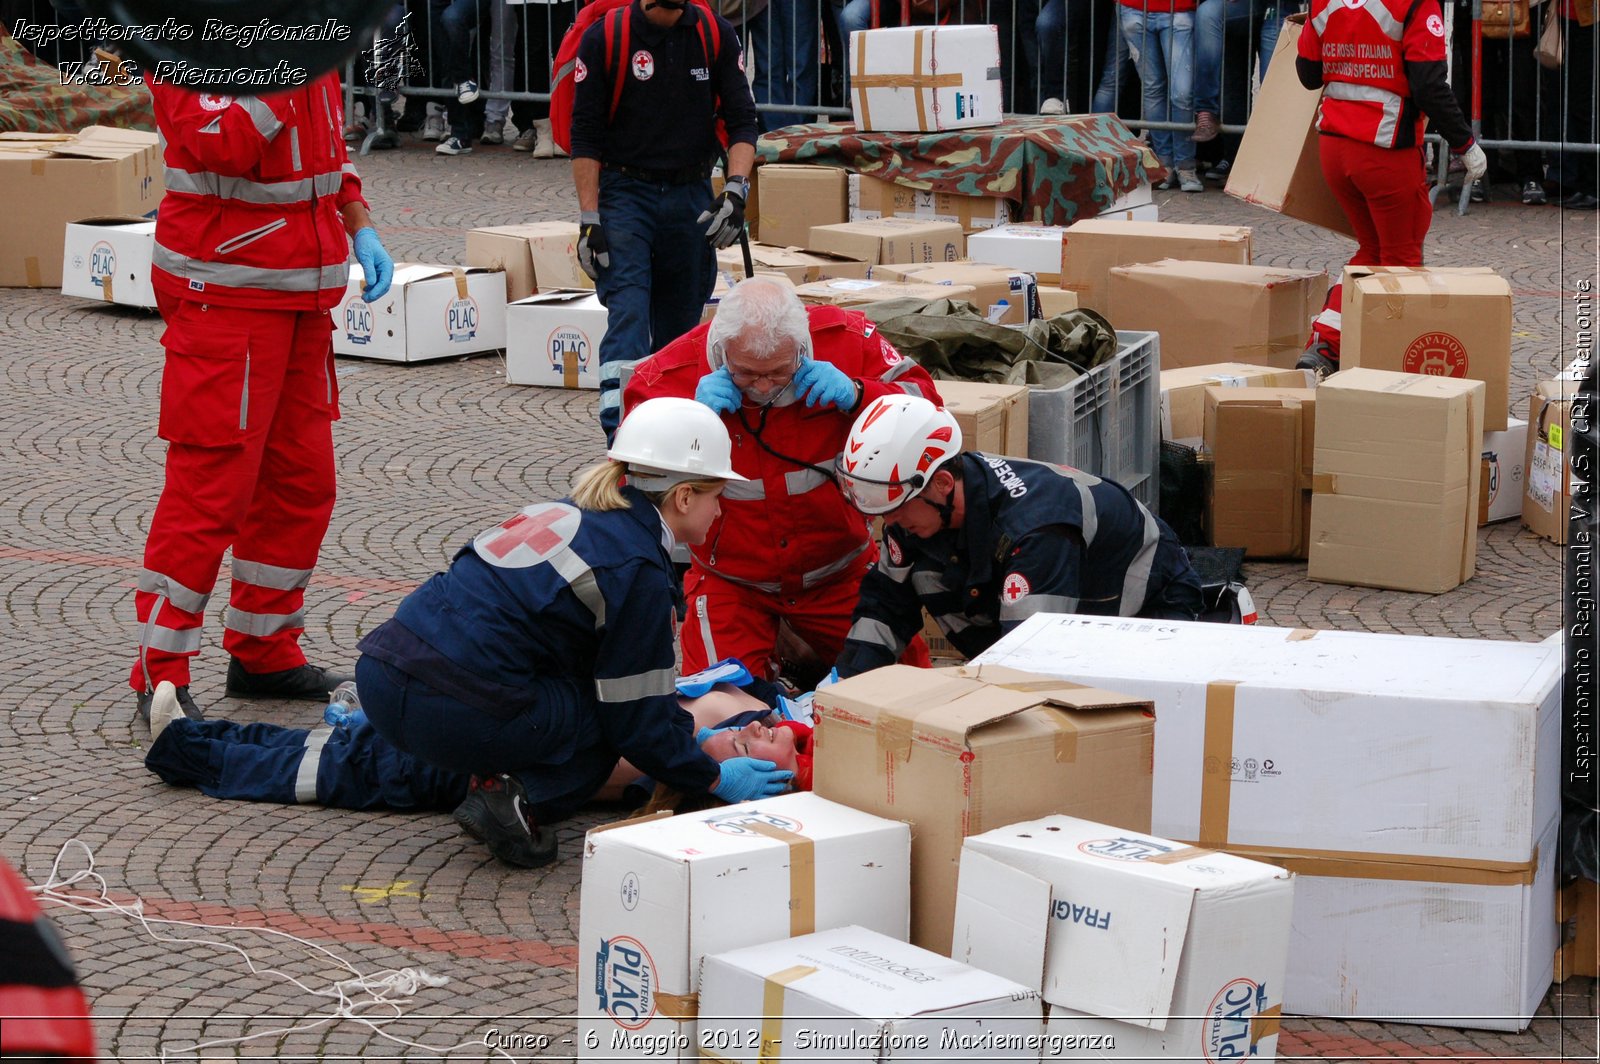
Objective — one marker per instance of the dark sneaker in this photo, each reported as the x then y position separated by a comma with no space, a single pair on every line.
1318,358
1533,194
454,146
1580,201
1480,191
308,682
181,694
495,813
1219,172
1206,127
467,91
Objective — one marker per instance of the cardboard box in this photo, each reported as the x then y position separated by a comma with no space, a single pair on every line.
1183,393
797,264
1261,442
924,79
1551,478
1442,322
1163,950
851,994
1022,246
1206,311
1502,481
109,259
957,754
843,292
1053,301
902,240
429,312
1279,165
538,255
993,417
51,179
992,285
658,894
1411,783
554,340
1089,251
1395,484
873,198
795,198
1578,910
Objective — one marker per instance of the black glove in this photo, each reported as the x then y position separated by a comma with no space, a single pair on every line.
726,215
594,254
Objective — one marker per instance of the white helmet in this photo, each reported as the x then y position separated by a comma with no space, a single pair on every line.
667,441
893,450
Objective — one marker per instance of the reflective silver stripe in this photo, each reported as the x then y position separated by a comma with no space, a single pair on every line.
1333,319
639,685
770,587
576,572
802,480
613,370
1136,581
563,70
611,399
1320,22
173,640
213,126
897,573
1391,26
1028,605
928,582
309,279
912,388
744,491
294,147
347,168
262,624
953,622
266,122
821,573
205,183
305,780
1091,517
877,633
1389,124
186,599
703,610
896,371
274,576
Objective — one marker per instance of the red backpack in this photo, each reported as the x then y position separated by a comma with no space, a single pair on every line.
615,12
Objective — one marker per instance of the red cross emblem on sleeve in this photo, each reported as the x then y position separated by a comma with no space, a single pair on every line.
542,530
1015,587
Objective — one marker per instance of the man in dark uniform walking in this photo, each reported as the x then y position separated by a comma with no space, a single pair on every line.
650,83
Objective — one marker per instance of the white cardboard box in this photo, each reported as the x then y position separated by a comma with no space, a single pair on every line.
109,259
1500,494
1154,948
1034,248
853,994
925,78
429,312
553,339
1425,770
659,894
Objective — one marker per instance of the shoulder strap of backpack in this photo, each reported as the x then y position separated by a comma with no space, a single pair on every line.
710,36
617,28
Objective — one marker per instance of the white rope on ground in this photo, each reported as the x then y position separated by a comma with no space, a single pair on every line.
349,998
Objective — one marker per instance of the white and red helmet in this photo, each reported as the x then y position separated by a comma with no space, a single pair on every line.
894,448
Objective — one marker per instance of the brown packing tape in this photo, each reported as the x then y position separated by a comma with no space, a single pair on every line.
1216,779
105,289
1300,635
802,876
678,1006
1187,853
1324,484
1066,738
461,281
772,1010
712,1058
894,735
1359,864
861,81
1265,1024
569,369
855,82
36,168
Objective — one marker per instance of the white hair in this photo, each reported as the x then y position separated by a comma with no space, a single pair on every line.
762,314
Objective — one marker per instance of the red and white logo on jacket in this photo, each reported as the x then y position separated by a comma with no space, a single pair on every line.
1015,587
643,65
535,535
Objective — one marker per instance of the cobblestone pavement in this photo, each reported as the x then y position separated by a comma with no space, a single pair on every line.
427,455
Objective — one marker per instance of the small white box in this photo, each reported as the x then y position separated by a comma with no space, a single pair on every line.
554,339
853,994
1143,948
1034,248
1504,452
925,78
109,259
429,312
657,895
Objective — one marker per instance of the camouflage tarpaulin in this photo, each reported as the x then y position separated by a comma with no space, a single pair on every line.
1058,169
34,100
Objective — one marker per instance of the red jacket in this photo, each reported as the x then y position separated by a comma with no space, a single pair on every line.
789,529
255,186
1363,50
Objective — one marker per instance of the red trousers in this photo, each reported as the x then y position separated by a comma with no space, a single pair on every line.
1384,194
728,620
248,400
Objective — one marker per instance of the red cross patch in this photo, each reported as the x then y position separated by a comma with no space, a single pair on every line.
896,556
579,72
644,65
890,355
530,537
1016,587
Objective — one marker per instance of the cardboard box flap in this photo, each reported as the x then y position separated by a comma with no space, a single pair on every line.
1003,918
94,142
1058,692
110,220
558,297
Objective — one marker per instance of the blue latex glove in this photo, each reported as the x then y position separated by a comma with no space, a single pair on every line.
717,390
746,778
376,265
705,733
825,383
830,679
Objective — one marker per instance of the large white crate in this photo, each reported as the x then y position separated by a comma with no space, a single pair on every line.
1108,421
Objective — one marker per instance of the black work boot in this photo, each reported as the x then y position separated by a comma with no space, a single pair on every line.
1319,359
496,812
190,710
308,682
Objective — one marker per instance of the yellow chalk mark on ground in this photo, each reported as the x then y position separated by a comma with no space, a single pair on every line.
373,895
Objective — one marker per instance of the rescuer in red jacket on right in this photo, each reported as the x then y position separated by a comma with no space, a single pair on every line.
1381,66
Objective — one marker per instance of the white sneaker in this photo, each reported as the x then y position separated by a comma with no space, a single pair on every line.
546,147
493,135
467,91
1190,181
433,128
164,709
1053,106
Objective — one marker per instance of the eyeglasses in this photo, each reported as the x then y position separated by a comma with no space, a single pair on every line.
745,378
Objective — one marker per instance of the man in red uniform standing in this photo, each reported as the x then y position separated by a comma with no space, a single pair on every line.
1381,66
788,381
251,247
